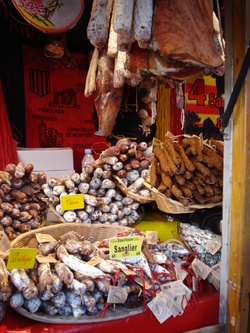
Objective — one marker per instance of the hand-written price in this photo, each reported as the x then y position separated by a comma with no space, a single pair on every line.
17,258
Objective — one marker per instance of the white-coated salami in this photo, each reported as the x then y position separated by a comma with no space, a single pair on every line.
112,40
123,16
98,26
143,14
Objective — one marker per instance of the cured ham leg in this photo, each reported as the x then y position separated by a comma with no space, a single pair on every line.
183,30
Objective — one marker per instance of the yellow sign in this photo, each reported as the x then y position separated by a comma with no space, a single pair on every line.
123,247
156,142
21,258
71,202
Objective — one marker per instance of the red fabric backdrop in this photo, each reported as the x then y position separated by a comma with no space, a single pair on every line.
57,114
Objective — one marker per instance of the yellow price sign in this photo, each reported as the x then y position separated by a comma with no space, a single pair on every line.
123,247
73,201
156,142
21,258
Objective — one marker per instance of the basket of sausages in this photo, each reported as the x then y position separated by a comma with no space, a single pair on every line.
186,174
129,163
104,202
22,205
70,279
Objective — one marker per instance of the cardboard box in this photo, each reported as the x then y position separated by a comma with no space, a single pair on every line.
47,158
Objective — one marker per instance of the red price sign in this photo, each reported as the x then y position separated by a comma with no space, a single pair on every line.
202,102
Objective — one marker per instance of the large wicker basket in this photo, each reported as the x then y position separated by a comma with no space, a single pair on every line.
90,232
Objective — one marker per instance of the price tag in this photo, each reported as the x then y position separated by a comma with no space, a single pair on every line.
123,247
117,295
44,238
175,288
151,237
72,202
21,258
216,271
42,259
180,273
214,245
200,269
159,307
156,142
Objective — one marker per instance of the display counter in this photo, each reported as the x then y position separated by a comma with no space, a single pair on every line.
199,314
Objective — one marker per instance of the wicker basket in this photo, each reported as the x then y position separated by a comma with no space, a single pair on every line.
123,188
171,206
90,232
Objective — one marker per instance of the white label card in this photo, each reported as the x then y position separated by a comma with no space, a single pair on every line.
216,271
159,308
173,288
214,245
117,295
200,269
151,237
180,273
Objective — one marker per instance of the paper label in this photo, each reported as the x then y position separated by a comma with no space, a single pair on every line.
180,273
137,278
159,308
216,271
156,142
72,202
179,295
117,295
21,258
201,270
123,247
151,237
173,288
44,238
94,261
42,259
214,245
128,271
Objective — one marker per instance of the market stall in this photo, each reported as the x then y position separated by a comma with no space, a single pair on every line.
131,67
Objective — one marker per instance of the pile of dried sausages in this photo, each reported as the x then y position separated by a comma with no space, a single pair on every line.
21,207
187,173
130,161
103,202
